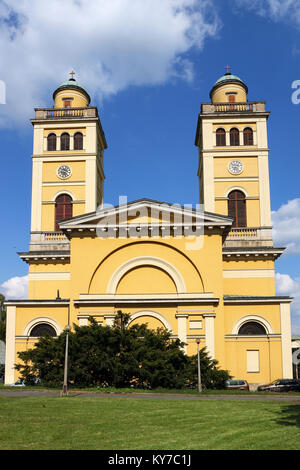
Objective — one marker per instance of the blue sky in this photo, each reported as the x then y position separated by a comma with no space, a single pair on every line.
148,81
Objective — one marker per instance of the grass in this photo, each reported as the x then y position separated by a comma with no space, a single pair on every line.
77,423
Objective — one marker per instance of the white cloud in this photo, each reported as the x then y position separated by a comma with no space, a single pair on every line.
15,288
111,45
286,226
277,10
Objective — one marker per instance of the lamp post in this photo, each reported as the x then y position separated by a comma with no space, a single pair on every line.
65,385
199,366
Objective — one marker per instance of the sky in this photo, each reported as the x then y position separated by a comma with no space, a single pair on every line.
148,65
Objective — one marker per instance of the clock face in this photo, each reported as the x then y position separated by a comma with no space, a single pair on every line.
235,167
64,172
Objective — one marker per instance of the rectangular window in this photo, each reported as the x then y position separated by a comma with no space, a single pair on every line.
252,361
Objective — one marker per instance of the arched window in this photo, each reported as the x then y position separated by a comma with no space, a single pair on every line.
63,209
51,142
252,328
65,141
221,137
78,141
237,208
234,137
43,329
248,136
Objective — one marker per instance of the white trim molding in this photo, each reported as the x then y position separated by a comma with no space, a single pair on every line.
11,311
286,339
37,321
146,261
63,191
182,328
256,318
236,188
248,273
59,276
151,313
209,319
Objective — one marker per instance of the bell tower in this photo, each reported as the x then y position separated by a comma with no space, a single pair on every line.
233,160
67,163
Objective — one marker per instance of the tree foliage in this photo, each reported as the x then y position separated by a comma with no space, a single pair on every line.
118,356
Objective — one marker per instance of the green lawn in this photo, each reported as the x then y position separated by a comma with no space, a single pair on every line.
32,423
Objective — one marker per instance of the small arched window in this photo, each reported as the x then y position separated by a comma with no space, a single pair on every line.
65,141
78,141
51,142
237,208
248,136
43,329
252,328
63,209
221,137
234,137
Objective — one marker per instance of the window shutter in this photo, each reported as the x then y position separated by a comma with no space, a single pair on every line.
78,141
63,209
65,141
221,138
248,136
234,137
237,208
51,142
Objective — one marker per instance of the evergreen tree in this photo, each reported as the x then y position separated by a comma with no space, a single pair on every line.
118,356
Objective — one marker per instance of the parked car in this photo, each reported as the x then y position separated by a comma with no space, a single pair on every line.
237,384
281,385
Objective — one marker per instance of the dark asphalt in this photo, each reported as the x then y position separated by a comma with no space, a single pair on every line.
49,393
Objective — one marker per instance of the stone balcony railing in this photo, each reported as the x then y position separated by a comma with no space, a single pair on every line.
248,107
249,236
48,241
65,113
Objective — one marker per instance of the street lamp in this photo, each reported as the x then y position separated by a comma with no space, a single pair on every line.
199,366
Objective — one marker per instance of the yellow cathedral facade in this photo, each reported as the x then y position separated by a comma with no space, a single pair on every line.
205,274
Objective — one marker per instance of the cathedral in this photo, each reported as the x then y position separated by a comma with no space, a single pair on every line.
204,273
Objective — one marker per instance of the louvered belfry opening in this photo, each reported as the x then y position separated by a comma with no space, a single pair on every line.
63,209
78,141
237,208
51,142
65,141
221,137
248,136
234,137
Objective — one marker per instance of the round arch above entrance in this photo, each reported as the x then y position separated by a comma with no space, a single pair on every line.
151,313
146,261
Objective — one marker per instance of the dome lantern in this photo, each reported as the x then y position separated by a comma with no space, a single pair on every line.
71,94
229,87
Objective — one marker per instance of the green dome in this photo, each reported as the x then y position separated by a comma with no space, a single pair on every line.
72,84
229,78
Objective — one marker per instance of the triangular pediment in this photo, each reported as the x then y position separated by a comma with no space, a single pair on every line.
146,213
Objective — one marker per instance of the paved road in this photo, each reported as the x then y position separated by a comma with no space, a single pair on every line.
54,393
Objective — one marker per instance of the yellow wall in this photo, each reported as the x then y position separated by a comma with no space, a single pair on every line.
79,100
219,95
250,167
